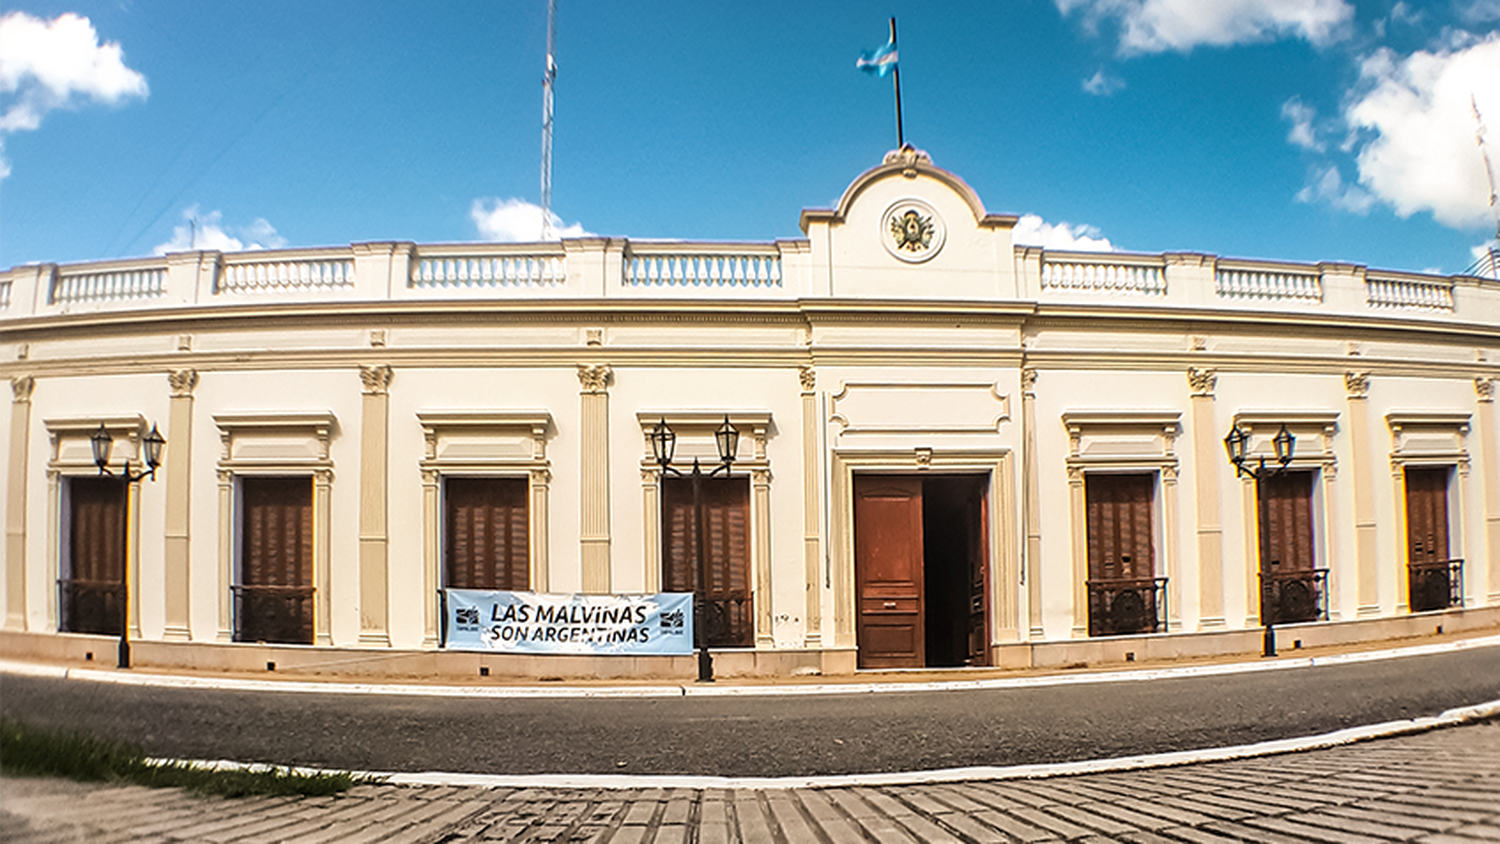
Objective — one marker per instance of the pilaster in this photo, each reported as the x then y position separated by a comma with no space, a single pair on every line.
15,502
811,539
1489,437
374,541
1031,570
1362,478
177,466
1210,530
594,540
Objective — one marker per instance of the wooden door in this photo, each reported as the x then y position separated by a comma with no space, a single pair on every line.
1289,532
274,596
979,581
90,585
1427,514
486,541
888,571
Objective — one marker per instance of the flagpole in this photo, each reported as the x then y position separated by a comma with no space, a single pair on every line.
900,133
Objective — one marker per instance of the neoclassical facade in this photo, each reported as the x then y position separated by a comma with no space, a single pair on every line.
953,450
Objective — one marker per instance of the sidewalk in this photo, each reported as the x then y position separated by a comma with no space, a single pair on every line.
1437,787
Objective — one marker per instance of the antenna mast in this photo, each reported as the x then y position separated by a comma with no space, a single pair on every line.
1489,174
547,80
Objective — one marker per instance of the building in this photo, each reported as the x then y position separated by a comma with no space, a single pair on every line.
954,450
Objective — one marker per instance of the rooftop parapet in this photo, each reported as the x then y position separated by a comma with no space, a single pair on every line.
605,268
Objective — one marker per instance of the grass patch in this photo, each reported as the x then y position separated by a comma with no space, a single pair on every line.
28,751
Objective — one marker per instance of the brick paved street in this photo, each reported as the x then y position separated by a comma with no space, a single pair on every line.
1438,787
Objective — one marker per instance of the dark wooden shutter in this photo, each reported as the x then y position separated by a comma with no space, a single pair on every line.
96,555
488,546
1121,535
1427,513
725,536
274,596
1289,537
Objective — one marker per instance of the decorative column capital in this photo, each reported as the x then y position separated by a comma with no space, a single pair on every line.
1357,384
21,387
594,378
808,377
1485,388
183,381
376,379
1028,382
1202,382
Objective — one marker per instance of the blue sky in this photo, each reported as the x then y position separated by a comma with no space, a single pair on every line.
1301,130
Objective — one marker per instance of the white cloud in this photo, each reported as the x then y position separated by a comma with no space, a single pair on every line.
516,221
1301,116
206,231
1480,11
1328,186
1416,128
1032,230
46,65
1102,85
1155,26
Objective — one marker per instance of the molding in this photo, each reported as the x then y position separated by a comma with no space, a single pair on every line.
1001,413
1357,384
808,376
1398,419
1485,389
1139,418
1202,381
21,388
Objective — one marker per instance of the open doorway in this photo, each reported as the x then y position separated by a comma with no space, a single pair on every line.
921,570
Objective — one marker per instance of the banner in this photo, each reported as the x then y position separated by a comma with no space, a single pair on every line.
542,623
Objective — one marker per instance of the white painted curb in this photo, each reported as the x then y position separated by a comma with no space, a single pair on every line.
1450,718
133,678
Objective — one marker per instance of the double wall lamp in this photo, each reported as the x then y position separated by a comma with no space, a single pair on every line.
1236,443
663,444
102,444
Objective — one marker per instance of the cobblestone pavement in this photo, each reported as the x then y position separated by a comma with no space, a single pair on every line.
1439,787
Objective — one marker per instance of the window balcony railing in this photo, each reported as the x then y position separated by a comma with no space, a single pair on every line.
727,620
90,606
1435,585
1121,607
280,614
1289,597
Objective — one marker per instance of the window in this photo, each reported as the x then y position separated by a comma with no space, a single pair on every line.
486,535
274,593
95,561
1123,589
724,535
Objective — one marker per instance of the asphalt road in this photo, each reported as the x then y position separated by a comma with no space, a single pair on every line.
753,736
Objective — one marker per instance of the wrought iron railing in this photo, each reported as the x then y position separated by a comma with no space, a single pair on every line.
1124,606
280,614
728,621
1288,597
1435,585
90,606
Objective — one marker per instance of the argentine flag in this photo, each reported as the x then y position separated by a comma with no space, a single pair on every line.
879,61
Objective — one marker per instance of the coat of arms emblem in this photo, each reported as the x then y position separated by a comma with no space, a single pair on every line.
914,231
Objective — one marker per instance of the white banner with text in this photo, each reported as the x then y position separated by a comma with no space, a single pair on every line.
545,623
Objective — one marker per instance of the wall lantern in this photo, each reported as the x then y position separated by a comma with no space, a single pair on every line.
102,443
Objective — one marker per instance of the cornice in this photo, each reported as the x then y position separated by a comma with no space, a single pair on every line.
1048,315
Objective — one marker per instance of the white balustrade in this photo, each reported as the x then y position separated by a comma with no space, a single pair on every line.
111,285
1409,294
489,271
292,274
1268,285
703,270
1103,277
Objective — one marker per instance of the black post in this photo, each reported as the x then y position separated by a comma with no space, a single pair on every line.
124,655
700,598
900,133
1267,583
